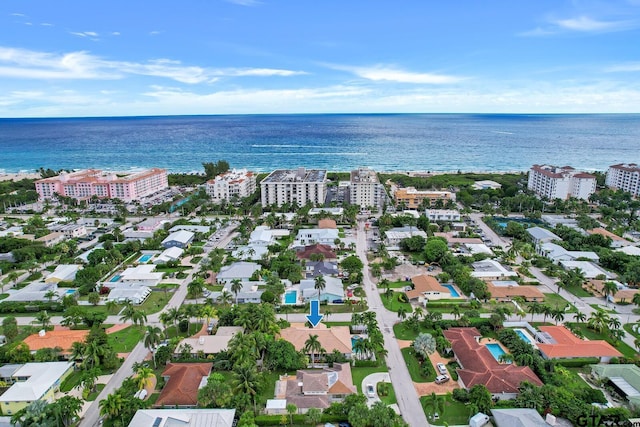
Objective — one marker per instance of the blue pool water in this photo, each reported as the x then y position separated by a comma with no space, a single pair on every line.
145,258
115,278
452,290
291,297
523,336
70,292
496,351
354,339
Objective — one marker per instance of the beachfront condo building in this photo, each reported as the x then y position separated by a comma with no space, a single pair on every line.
414,199
294,186
233,184
365,188
625,177
553,182
84,184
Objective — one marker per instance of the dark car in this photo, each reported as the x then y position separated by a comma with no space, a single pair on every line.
344,424
338,301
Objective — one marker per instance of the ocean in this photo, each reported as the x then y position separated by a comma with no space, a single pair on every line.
337,142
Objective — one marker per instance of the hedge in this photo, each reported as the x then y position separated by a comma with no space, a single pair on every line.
274,420
577,362
30,306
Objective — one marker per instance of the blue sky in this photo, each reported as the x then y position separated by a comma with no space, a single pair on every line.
106,58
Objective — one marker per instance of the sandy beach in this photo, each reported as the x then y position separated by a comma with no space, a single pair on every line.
18,176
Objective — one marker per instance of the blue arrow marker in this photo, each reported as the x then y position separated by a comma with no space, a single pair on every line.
314,317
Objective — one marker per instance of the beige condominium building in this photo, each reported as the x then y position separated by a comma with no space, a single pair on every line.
413,198
294,186
625,177
553,182
365,188
234,183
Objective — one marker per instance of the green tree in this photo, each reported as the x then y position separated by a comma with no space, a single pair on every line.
312,346
43,318
10,328
480,397
236,287
112,406
435,249
93,298
320,285
292,409
609,288
314,415
66,410
132,314
424,345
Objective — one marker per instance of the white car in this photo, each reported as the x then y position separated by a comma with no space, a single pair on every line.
441,368
370,390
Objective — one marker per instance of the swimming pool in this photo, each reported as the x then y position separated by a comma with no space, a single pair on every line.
145,258
115,278
496,351
70,292
452,291
354,340
291,297
525,337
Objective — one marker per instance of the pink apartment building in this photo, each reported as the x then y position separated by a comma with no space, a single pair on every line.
92,182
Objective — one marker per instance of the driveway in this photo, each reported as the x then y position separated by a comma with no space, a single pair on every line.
374,379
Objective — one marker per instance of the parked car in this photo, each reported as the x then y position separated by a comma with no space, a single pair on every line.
370,391
338,301
442,379
441,368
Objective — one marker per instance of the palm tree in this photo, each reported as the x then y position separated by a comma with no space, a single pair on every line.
143,377
112,406
614,323
546,310
130,313
312,346
388,293
609,288
13,279
225,297
636,342
152,337
402,313
89,378
111,305
581,316
236,286
291,410
246,381
455,311
43,318
524,359
557,315
598,321
195,288
320,285
505,358
424,345
50,295
636,299
534,308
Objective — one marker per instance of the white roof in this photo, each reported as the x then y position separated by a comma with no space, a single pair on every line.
238,270
42,376
211,344
490,268
558,253
400,233
182,236
319,233
276,403
262,234
630,250
33,292
250,252
333,286
589,269
63,272
539,233
192,228
132,294
478,248
173,252
183,418
332,211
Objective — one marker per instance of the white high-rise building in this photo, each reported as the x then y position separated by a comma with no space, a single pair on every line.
294,186
564,182
624,176
365,188
235,183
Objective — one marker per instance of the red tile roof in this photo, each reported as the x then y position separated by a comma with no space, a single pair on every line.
316,249
183,384
327,223
569,346
425,283
56,338
480,367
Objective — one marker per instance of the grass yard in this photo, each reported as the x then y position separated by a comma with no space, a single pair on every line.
359,373
193,328
386,393
632,329
125,340
578,291
416,368
396,285
268,387
451,412
621,346
71,381
155,302
402,332
394,304
92,396
555,300
604,308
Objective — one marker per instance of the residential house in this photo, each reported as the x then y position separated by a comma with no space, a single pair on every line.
316,388
478,248
37,291
557,253
141,275
446,215
479,366
183,418
238,270
70,231
560,343
62,339
541,235
52,239
336,212
630,250
327,223
322,251
151,224
314,269
250,252
170,254
489,269
333,290
486,185
310,236
507,290
625,379
588,269
180,238
182,382
134,294
34,381
63,273
394,236
616,241
251,292
209,344
334,338
427,288
517,417
414,199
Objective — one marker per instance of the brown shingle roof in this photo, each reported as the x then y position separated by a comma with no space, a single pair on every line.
334,338
327,223
606,233
316,249
480,367
52,339
569,346
425,283
527,292
183,384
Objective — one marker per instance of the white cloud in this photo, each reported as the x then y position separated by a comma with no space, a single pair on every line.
22,15
244,2
586,24
115,33
85,34
46,24
27,64
392,74
626,67
154,33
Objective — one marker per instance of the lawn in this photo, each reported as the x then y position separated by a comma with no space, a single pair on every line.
92,396
268,387
415,368
632,329
556,301
155,302
358,374
71,381
396,285
578,291
386,393
605,309
452,412
125,340
402,332
394,304
193,328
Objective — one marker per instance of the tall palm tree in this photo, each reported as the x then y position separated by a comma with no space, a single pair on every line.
143,377
43,318
636,299
402,313
598,321
152,337
557,314
236,287
132,314
111,305
320,285
246,380
225,297
112,406
195,288
312,346
580,317
609,288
